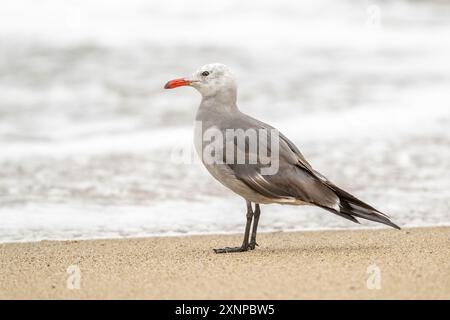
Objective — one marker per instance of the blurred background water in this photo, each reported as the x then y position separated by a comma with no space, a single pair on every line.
88,137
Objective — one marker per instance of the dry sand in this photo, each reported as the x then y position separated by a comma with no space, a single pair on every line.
413,263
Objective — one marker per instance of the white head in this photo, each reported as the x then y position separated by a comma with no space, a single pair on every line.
211,80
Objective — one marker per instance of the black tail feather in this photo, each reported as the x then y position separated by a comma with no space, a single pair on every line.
352,207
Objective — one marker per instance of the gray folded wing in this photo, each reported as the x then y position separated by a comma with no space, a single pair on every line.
295,178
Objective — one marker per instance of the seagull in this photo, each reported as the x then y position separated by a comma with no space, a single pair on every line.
294,182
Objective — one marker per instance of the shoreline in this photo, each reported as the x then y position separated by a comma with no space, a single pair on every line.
412,263
360,227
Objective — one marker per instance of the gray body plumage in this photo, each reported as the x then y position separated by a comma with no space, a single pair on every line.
289,185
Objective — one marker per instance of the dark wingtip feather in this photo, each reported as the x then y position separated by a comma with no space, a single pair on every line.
349,212
366,213
393,225
350,205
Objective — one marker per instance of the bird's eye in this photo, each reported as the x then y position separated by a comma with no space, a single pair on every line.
205,73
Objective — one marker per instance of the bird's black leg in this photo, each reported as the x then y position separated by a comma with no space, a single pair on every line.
256,214
245,244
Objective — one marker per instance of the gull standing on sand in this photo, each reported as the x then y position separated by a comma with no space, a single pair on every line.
294,182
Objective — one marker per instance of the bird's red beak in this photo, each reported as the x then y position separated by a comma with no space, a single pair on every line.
177,83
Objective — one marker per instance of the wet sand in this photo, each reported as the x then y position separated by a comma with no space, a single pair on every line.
361,264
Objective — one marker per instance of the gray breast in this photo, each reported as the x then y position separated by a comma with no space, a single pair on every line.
225,175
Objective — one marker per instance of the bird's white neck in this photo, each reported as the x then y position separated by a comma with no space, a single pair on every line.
226,97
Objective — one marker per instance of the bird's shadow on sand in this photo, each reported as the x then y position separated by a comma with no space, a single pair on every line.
326,248
307,250
329,248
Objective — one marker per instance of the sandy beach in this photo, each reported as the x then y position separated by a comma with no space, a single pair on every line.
408,264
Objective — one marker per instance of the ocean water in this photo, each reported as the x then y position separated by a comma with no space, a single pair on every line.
89,139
